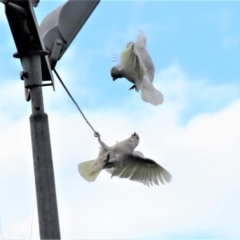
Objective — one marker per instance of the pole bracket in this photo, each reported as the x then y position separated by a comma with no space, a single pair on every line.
24,75
55,55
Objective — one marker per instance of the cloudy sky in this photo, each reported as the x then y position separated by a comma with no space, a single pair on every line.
194,134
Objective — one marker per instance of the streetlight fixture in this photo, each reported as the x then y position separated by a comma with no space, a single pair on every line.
39,50
60,27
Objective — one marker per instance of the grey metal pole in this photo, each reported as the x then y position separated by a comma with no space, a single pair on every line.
42,154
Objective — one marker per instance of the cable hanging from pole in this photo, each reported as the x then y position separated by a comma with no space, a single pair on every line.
96,134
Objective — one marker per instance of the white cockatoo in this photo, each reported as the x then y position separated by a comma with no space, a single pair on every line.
122,161
137,67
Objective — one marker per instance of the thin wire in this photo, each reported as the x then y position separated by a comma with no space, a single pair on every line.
32,222
96,134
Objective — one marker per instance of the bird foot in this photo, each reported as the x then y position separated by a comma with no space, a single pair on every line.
107,163
107,159
133,87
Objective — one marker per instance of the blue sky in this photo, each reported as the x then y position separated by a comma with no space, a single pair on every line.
194,134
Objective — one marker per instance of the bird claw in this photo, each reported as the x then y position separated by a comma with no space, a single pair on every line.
107,160
133,87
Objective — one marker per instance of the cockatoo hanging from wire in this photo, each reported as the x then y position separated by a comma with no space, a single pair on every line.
122,161
137,67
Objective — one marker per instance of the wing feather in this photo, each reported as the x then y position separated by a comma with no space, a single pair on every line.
155,180
141,40
139,67
141,169
129,170
118,171
131,61
146,59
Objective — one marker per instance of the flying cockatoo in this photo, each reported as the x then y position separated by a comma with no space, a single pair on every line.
137,67
122,161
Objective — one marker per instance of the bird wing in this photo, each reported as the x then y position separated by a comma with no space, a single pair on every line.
138,67
141,40
131,61
140,169
148,63
146,59
126,58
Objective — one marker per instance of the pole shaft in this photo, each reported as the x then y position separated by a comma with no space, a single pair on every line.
42,154
44,178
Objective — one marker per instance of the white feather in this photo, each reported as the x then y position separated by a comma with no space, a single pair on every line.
149,93
138,153
141,40
88,171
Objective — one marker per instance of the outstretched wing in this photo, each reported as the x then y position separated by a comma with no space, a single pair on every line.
142,170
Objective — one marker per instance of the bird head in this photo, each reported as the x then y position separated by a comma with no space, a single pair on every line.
115,73
135,136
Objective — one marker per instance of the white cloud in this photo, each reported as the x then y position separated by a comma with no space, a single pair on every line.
203,157
13,103
191,94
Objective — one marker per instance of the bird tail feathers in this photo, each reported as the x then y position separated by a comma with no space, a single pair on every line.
88,171
149,93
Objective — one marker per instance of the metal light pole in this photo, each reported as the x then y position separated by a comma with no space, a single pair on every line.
39,50
36,69
42,154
